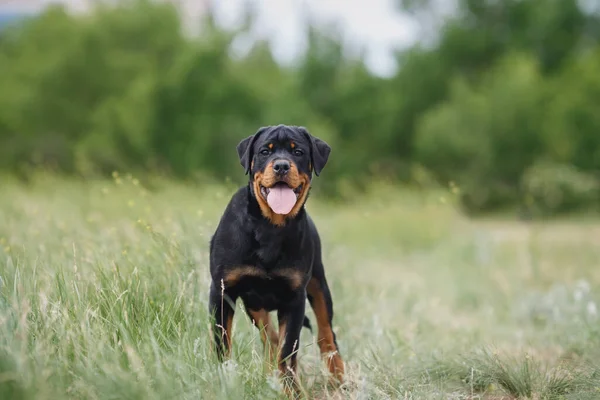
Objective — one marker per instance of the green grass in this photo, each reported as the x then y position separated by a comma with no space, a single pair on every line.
103,295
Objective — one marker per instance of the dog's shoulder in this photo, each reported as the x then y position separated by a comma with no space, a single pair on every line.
234,221
311,227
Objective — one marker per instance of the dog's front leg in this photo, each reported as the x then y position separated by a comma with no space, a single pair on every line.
290,324
222,315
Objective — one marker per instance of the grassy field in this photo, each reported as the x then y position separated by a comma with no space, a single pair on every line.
103,295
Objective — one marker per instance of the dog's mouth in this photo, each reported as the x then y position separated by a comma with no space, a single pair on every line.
281,197
264,191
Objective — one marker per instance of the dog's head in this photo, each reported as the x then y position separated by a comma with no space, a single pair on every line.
280,160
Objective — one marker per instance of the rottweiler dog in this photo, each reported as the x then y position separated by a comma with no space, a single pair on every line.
266,249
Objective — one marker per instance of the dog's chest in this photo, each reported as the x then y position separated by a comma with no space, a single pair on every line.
273,272
271,247
260,288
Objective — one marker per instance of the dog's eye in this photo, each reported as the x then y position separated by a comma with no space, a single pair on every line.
298,152
264,152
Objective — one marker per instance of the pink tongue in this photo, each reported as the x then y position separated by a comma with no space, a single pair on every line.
281,199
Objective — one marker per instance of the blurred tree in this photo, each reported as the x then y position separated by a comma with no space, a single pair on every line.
499,97
486,135
572,125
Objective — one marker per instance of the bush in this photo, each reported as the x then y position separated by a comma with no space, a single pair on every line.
484,137
550,188
572,124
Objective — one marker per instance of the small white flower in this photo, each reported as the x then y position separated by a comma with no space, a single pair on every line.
592,309
582,288
230,366
196,344
274,382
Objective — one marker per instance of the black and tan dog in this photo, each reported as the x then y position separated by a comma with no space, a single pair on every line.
266,249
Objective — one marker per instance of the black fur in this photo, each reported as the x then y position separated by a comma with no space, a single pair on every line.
244,237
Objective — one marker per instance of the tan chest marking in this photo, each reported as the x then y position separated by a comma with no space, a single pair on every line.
233,275
294,277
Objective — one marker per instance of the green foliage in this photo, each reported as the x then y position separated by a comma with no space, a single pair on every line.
485,136
554,188
573,122
505,85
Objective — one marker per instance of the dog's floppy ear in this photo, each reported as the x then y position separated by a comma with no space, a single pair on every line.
245,149
319,152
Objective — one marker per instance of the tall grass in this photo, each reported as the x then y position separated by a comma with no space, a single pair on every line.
103,295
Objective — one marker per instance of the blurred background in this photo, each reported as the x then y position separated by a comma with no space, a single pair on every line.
118,127
497,99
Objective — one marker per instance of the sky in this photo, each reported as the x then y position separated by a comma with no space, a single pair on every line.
373,26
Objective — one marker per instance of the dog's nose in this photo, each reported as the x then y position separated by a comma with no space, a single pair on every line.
281,167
